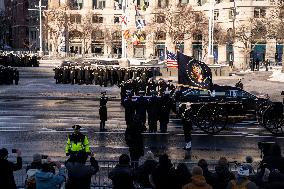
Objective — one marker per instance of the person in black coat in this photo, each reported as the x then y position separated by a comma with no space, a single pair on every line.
141,108
80,174
129,106
122,175
134,139
165,108
209,176
143,172
7,168
153,110
163,176
103,111
222,175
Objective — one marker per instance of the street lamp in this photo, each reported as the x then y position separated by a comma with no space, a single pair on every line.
210,32
39,8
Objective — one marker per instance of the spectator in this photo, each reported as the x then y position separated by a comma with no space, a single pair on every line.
275,159
7,168
134,139
242,180
248,163
163,175
45,179
209,176
122,175
183,175
79,174
32,170
146,169
198,180
222,174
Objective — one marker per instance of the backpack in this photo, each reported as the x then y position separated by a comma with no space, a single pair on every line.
242,186
30,180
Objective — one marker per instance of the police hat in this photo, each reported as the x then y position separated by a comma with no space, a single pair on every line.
76,127
141,92
103,92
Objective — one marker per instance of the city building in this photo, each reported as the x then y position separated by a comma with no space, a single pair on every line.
95,27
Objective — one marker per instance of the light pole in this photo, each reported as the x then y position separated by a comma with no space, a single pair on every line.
210,32
39,8
124,27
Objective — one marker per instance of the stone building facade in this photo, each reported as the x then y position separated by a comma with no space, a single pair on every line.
94,27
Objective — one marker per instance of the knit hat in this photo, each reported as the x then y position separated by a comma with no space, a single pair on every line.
243,170
149,155
37,158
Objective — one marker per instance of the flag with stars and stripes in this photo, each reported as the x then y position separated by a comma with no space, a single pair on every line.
171,60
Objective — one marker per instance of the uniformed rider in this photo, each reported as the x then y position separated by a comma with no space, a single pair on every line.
77,142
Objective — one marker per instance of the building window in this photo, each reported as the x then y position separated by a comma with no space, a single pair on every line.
163,3
199,3
259,12
216,14
160,19
75,18
77,4
231,14
117,4
116,19
218,1
161,35
116,35
98,35
183,1
97,19
102,4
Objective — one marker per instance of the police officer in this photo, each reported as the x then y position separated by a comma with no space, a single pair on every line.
103,111
77,142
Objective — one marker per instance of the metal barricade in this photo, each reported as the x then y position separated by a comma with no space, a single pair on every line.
101,180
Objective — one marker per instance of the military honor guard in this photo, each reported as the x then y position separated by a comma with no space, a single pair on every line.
103,111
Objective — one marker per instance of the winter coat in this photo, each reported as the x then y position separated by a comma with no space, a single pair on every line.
242,180
122,177
47,180
6,173
134,139
163,177
209,177
79,174
144,171
222,177
198,182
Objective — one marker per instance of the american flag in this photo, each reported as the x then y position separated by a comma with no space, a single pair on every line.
171,60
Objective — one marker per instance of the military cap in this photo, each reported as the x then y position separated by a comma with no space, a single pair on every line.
167,92
103,92
76,127
141,92
154,92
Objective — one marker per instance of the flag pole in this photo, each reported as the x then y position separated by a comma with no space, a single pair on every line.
123,42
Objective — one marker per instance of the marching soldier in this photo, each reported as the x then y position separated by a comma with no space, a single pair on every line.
103,111
141,108
165,108
129,106
77,142
16,76
153,112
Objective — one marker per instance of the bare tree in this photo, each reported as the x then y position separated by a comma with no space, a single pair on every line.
4,29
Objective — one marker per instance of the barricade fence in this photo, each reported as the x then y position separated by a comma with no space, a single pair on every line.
101,180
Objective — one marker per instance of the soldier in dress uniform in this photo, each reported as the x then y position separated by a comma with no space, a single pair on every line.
103,111
153,109
165,108
16,76
141,108
129,106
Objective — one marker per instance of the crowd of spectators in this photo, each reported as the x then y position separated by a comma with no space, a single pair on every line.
161,174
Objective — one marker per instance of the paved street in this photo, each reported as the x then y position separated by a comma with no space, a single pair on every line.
37,115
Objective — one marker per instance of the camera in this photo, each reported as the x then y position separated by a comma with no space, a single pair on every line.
265,148
44,156
14,151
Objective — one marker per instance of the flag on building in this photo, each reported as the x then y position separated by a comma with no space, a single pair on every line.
171,60
126,34
193,72
140,23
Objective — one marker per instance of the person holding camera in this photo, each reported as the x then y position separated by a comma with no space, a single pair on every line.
46,179
7,168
